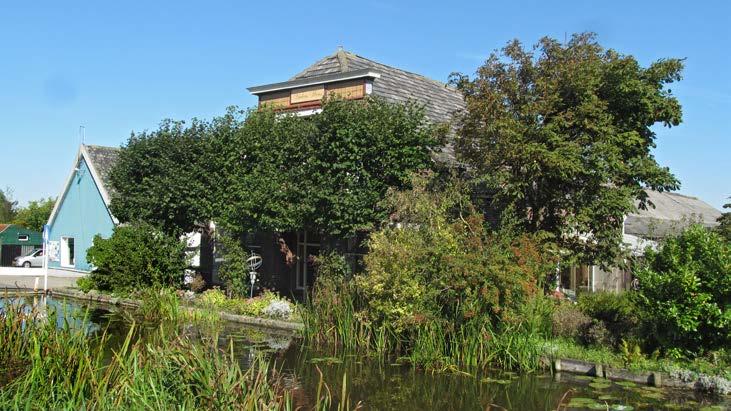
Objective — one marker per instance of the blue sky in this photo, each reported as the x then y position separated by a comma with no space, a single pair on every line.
114,67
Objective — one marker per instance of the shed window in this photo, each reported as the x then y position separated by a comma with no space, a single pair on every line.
67,252
22,237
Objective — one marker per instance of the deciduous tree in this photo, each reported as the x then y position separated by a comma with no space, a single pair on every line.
724,223
7,206
161,177
563,135
35,214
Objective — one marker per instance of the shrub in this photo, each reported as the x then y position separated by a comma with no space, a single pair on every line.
568,321
136,256
278,309
595,333
266,304
234,270
197,284
685,290
616,311
213,298
443,263
85,284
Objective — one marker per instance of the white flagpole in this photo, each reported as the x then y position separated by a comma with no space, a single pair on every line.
46,229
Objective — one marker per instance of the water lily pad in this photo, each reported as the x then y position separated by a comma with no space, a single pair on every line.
583,400
598,406
712,408
495,381
600,385
626,384
326,360
655,395
620,407
584,377
580,402
607,397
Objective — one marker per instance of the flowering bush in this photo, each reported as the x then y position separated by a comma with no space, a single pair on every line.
278,309
267,304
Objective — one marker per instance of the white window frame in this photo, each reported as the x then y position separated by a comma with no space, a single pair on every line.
65,252
23,237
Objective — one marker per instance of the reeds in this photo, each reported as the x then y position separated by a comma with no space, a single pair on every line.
65,368
334,318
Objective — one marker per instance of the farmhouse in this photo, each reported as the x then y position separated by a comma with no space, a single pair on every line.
351,77
82,209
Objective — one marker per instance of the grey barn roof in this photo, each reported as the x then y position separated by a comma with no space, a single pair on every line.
103,159
394,85
671,213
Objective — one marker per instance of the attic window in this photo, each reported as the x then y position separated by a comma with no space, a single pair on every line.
23,237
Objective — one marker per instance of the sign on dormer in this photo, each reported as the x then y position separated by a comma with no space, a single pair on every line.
304,94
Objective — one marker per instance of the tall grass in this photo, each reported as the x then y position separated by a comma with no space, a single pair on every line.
65,368
335,317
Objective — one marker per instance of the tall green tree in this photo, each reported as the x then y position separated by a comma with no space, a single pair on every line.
263,164
35,214
562,134
259,170
724,223
360,150
7,206
328,172
161,177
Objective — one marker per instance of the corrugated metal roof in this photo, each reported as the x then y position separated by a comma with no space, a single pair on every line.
669,213
3,227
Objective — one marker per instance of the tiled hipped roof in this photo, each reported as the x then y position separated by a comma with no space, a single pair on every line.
394,85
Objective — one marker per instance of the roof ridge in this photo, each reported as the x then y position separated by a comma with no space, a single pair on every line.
441,83
342,59
682,195
306,69
100,146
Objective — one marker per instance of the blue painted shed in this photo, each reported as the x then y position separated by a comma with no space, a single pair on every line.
82,210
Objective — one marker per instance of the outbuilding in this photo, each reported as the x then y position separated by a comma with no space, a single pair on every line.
82,210
16,241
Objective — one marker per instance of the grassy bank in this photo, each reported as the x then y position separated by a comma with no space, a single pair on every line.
51,367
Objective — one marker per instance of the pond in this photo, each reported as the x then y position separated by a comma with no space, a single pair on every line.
399,387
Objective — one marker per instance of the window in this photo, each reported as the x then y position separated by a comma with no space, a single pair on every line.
22,237
67,252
